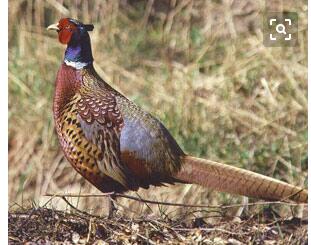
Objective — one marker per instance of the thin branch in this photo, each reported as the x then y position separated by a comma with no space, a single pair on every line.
211,230
170,203
76,209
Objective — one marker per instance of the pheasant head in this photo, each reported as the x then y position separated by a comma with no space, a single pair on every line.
75,34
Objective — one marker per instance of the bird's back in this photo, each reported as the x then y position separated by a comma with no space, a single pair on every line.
146,145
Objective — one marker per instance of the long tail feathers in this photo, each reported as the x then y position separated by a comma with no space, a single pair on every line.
234,180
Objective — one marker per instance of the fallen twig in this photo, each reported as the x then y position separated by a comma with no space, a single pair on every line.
170,203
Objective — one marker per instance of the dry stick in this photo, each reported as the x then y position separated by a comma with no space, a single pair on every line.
90,230
173,204
76,209
212,230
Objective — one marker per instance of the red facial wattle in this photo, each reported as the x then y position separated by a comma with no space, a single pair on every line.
66,29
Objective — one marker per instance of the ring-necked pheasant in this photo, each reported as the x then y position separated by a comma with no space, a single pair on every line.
117,146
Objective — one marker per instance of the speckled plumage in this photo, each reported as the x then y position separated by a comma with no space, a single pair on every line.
106,136
117,146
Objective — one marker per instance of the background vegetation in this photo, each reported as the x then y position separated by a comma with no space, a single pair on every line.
199,66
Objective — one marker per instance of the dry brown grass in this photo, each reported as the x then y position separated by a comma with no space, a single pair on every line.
199,66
